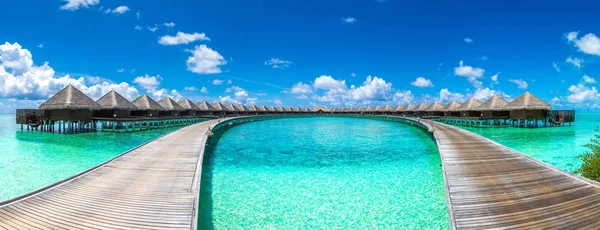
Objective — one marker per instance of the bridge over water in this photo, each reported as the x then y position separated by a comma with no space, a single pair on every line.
156,186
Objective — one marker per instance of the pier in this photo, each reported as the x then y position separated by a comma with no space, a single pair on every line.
490,186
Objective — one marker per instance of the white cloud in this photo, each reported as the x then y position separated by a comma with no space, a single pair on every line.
575,61
301,88
348,20
190,88
353,74
447,96
484,58
163,93
228,100
589,80
494,78
120,10
468,40
169,24
20,79
138,27
204,90
521,84
41,45
403,97
422,82
240,96
182,38
73,5
278,102
120,70
217,82
556,66
153,28
373,89
471,73
278,63
485,93
332,86
148,82
589,44
580,93
204,60
229,82
138,15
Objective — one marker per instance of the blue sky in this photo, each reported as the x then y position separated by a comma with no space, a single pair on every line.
301,53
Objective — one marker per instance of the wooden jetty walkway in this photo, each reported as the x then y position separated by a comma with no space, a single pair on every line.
489,186
152,187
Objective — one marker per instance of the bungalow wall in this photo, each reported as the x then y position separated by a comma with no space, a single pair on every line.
112,113
496,114
70,115
144,113
528,114
470,113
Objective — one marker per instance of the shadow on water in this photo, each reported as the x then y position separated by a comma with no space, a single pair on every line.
205,212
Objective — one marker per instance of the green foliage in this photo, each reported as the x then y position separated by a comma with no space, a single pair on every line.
591,160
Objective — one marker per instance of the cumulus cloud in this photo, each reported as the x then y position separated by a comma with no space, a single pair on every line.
204,90
205,60
330,84
589,44
575,61
148,82
521,84
353,74
373,89
152,28
348,20
301,88
120,10
278,63
468,40
589,80
190,88
495,78
74,5
422,82
138,27
403,97
217,82
447,96
182,38
169,24
21,80
471,73
580,94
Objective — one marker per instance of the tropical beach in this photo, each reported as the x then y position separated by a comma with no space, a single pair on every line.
374,114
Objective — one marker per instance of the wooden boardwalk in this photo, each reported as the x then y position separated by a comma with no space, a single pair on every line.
491,186
152,187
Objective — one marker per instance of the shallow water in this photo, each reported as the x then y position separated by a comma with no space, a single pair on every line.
557,146
323,173
33,159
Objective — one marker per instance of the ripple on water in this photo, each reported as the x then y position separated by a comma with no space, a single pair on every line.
318,173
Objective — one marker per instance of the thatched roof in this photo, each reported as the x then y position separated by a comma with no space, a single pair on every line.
421,106
252,108
170,105
114,100
389,108
69,98
305,109
370,109
317,108
271,109
262,108
362,109
241,107
495,103
219,107
469,105
279,109
188,105
288,109
410,108
528,101
436,106
399,108
296,109
146,103
232,108
451,106
205,106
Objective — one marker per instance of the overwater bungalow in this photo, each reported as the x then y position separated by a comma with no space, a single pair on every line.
369,110
220,109
420,110
279,110
189,108
528,107
287,110
172,109
232,109
252,109
494,108
243,109
70,107
271,110
146,107
435,109
205,108
450,109
296,109
305,110
113,105
469,108
263,109
362,110
388,109
409,110
398,110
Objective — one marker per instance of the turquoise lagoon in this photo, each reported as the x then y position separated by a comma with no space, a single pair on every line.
30,160
323,173
557,146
